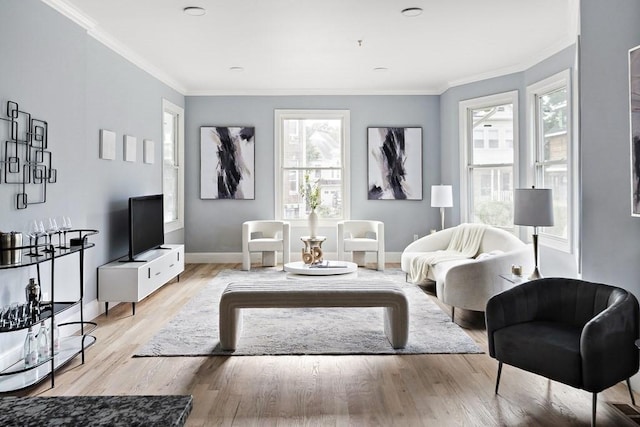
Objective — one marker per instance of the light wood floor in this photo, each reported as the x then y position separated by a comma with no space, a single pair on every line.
412,390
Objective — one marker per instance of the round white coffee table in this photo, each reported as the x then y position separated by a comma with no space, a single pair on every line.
327,268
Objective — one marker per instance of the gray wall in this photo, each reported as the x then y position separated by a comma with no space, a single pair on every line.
215,225
54,70
610,234
554,262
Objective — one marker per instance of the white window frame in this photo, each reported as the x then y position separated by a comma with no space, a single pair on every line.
344,116
534,177
172,108
466,142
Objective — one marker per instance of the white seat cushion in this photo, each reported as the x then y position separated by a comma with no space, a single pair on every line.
438,273
265,244
360,244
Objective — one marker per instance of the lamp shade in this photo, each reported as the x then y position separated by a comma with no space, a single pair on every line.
441,196
533,206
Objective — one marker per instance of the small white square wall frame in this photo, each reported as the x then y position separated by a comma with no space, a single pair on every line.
130,148
148,151
107,144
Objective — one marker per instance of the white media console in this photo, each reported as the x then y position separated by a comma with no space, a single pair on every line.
132,281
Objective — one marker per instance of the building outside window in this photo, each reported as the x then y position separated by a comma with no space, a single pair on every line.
487,130
550,116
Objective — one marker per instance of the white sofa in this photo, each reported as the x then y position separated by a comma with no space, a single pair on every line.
469,283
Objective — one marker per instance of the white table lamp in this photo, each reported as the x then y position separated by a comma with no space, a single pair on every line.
533,207
441,197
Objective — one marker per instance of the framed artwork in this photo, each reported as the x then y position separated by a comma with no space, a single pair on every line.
148,151
130,148
107,144
634,111
395,163
227,163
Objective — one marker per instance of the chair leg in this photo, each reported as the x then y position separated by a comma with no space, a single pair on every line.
498,377
593,409
633,399
453,312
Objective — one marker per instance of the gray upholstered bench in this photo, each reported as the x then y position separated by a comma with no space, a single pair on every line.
293,294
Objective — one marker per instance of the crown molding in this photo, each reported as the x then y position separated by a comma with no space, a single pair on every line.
516,68
314,92
106,39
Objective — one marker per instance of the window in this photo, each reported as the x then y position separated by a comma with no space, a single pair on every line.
489,167
494,139
550,116
172,165
319,149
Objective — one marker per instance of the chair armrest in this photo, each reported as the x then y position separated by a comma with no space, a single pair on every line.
471,285
509,308
607,345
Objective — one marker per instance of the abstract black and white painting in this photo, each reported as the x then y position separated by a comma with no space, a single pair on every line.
634,110
227,163
395,163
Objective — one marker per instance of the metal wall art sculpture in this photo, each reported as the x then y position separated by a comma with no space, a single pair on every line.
26,160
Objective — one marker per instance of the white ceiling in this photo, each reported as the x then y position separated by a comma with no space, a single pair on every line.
311,46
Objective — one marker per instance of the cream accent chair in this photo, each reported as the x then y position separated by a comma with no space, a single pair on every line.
267,237
359,237
469,283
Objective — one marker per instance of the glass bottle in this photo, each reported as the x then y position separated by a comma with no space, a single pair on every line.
43,342
55,336
30,350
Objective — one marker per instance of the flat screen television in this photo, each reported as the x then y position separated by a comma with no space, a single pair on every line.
146,224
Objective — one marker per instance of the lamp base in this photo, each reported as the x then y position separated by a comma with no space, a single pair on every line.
535,274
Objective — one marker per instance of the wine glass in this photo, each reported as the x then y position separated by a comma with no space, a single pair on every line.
64,223
45,233
52,228
33,232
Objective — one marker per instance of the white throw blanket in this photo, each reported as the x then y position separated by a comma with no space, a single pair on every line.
464,244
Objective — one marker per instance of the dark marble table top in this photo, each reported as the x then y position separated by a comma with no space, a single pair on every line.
95,411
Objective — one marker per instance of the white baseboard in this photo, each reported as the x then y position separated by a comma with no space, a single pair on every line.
236,257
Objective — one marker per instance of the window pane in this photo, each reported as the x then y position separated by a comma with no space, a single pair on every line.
553,156
312,143
491,192
478,138
170,166
553,111
498,122
556,178
330,184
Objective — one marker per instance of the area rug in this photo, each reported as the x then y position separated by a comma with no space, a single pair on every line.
274,331
95,411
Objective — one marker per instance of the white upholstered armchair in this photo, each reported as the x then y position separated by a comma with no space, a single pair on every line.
267,237
360,237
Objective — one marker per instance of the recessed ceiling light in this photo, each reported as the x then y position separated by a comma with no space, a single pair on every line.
194,11
236,69
411,12
380,69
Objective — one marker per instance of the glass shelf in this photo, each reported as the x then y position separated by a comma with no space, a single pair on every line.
17,377
27,259
58,308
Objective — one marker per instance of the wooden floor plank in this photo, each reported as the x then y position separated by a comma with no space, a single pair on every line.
407,390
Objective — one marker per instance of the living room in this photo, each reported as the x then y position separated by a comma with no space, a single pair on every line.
60,72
